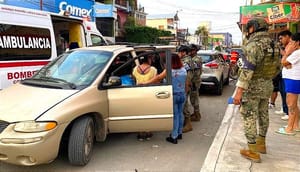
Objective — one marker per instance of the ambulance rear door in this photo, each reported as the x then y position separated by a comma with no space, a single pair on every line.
26,43
69,33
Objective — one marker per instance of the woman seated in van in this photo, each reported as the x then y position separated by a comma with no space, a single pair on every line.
143,73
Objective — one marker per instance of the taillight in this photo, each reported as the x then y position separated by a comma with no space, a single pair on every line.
225,57
234,56
212,65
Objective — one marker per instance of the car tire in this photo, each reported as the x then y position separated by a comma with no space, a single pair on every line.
220,87
81,141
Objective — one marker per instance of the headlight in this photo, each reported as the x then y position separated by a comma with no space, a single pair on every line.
34,126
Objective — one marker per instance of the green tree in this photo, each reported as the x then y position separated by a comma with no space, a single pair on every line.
144,34
219,48
202,33
108,1
130,22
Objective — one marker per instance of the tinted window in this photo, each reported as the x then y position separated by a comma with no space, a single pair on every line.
97,40
206,58
24,43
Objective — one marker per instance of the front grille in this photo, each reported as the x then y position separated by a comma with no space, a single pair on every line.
3,125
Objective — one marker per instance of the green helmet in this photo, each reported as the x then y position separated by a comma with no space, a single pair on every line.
259,24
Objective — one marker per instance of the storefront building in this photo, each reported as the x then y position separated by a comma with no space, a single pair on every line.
106,17
82,9
220,39
281,16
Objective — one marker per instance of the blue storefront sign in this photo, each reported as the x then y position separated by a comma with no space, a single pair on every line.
105,10
45,5
77,8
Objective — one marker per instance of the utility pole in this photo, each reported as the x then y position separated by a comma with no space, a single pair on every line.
41,5
176,20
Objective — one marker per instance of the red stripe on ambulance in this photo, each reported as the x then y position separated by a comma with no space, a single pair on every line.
23,64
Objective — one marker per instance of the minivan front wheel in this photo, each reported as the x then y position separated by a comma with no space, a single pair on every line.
81,141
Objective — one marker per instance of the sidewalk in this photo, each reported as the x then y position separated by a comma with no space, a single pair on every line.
283,152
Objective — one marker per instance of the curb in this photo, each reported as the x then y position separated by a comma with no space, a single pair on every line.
215,149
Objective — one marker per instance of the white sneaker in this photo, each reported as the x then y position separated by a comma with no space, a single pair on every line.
285,117
271,106
279,112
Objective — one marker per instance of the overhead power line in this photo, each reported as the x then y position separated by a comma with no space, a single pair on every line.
195,10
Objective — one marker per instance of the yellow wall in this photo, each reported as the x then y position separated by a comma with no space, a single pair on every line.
159,22
221,36
75,33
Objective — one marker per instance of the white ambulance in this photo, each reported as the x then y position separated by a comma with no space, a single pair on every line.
29,39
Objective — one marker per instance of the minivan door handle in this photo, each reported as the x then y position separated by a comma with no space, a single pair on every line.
162,94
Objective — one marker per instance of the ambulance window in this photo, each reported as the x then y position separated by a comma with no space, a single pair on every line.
97,40
24,43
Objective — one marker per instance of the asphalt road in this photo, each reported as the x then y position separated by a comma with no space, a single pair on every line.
123,152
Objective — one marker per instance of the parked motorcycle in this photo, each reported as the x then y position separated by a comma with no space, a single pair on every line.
234,68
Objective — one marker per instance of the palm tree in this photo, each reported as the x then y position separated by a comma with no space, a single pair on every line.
202,33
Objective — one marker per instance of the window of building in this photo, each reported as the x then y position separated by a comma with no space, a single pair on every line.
170,27
105,26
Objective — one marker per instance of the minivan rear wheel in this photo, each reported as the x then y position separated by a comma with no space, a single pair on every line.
81,141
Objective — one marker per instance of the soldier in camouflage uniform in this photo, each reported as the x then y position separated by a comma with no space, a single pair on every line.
196,82
193,67
260,64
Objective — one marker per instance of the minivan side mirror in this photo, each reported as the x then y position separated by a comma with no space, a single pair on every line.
112,81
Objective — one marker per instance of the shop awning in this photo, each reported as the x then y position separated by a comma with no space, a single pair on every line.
273,12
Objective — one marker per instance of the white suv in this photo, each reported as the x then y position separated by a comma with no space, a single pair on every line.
215,70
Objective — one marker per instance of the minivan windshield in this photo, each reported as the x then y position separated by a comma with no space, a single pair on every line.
74,69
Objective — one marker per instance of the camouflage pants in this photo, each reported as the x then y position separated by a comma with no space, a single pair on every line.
193,95
252,110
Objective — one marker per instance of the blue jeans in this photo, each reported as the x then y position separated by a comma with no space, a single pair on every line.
178,102
283,95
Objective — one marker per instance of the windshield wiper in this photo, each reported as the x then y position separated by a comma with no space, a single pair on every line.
56,80
70,84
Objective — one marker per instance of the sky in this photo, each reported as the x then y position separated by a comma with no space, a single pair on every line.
223,14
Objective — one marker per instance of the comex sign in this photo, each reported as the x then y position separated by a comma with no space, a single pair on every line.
73,10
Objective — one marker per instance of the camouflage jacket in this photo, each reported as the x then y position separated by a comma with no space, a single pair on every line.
259,65
193,65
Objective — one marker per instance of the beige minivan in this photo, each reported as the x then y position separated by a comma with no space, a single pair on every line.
79,98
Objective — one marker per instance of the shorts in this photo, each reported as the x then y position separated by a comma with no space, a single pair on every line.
276,81
292,86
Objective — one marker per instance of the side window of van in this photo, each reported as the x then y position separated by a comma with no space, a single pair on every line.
24,43
122,66
97,40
